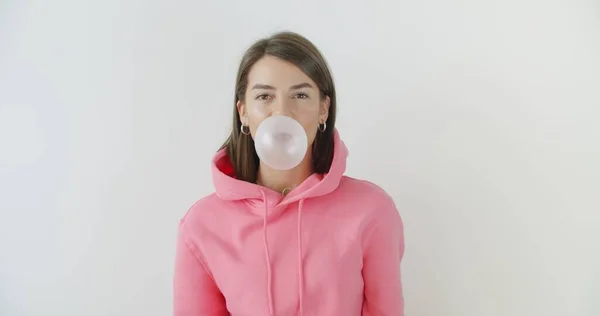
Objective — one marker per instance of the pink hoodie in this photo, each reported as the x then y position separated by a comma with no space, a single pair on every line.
331,247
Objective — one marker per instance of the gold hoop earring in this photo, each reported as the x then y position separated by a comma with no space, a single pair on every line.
322,129
243,131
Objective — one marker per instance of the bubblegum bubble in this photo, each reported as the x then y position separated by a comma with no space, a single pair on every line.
280,142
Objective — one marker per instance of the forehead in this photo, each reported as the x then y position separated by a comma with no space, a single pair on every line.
278,73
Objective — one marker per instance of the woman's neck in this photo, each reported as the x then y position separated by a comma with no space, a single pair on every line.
280,180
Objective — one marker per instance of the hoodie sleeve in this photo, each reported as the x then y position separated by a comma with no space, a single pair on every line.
194,290
382,253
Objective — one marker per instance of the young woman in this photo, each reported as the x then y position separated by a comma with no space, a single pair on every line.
305,241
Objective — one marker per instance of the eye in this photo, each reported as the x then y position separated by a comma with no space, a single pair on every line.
263,97
300,96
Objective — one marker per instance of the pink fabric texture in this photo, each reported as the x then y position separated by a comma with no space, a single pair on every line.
331,247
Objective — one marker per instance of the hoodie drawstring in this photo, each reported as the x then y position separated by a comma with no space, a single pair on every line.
267,256
300,266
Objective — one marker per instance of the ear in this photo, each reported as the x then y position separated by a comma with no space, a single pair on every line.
324,110
241,108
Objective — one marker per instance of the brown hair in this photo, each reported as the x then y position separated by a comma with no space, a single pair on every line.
299,51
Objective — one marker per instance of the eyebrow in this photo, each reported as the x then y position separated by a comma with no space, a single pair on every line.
300,86
294,87
263,86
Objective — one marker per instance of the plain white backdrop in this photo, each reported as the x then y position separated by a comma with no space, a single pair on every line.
480,118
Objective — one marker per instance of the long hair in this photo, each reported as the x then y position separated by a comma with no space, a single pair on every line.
299,51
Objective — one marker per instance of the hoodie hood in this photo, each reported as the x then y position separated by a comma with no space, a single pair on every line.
229,188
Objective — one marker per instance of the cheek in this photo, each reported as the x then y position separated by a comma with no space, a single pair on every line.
310,124
311,135
256,115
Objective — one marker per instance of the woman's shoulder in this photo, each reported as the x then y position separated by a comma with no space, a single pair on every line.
201,209
363,188
368,194
375,205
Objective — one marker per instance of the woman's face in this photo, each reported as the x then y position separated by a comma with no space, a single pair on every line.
277,87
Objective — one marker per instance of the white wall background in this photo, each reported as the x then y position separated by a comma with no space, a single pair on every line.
479,117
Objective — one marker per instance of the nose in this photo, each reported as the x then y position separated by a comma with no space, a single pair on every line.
281,106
